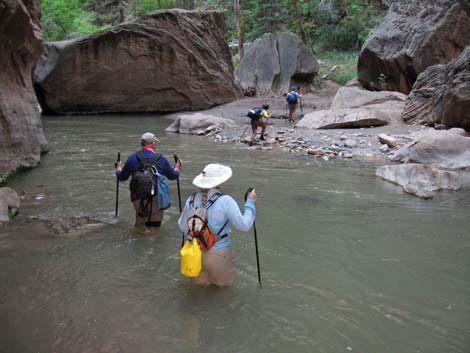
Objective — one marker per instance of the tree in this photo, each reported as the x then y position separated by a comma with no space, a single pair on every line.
236,5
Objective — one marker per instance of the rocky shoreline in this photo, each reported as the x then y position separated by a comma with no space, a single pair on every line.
385,144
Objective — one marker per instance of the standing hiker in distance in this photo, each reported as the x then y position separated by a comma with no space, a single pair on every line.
149,189
207,216
293,98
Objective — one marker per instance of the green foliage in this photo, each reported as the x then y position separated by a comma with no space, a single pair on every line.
65,19
347,65
142,7
358,17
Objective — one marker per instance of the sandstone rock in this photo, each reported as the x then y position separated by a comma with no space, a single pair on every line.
388,140
419,179
441,95
9,204
199,124
437,147
21,136
345,118
413,35
166,61
274,64
354,97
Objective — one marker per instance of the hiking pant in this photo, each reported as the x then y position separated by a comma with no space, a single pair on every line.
141,220
217,268
292,109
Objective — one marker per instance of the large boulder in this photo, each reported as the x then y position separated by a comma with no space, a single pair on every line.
419,179
275,64
199,124
353,97
444,149
9,204
374,115
354,107
21,136
414,35
167,61
441,95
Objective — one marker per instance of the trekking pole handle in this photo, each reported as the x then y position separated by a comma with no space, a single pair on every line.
118,159
175,157
250,189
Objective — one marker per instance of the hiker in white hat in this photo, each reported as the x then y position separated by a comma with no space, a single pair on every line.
207,217
149,194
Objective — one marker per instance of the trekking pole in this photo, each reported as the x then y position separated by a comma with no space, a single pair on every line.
256,242
179,194
301,109
117,186
244,131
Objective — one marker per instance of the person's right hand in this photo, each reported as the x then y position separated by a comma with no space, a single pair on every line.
118,165
178,164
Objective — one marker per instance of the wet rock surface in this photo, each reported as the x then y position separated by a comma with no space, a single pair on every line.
420,180
9,204
167,61
199,124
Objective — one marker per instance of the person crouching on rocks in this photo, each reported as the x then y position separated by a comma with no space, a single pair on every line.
143,167
262,122
209,206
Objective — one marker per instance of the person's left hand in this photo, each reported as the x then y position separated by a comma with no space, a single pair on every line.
118,165
178,164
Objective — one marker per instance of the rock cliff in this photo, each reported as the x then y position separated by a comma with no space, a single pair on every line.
414,35
21,136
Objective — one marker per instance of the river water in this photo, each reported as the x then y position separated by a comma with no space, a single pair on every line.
348,262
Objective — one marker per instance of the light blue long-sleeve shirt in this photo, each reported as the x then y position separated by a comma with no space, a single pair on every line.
225,208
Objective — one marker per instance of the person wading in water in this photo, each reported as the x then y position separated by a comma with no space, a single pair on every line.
145,185
221,212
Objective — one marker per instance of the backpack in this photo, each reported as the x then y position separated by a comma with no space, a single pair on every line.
197,223
291,97
255,113
147,183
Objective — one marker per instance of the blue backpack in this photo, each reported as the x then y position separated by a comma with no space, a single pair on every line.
163,192
255,113
291,97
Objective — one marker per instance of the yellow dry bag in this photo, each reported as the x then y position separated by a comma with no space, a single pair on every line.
190,259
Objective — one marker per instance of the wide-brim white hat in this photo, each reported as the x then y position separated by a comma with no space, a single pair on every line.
212,175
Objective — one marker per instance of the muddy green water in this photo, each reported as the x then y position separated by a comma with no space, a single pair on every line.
349,263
